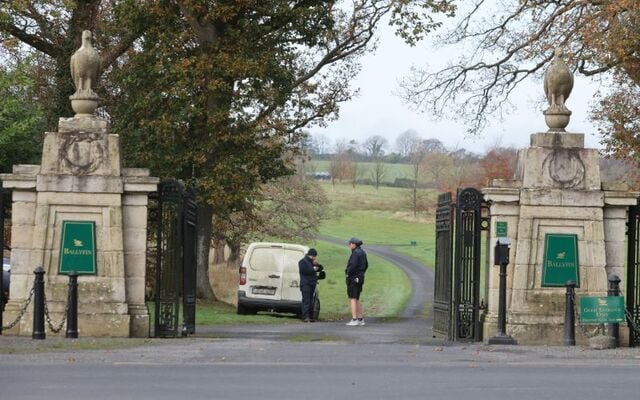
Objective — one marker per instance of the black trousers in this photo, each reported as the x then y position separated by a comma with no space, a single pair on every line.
307,300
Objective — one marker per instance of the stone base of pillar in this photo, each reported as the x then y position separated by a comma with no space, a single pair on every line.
139,322
502,339
89,325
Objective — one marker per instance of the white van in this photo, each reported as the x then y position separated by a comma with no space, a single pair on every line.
270,280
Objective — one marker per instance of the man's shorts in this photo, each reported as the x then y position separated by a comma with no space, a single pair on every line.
354,288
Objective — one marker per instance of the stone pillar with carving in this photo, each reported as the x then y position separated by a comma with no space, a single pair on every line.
556,190
80,178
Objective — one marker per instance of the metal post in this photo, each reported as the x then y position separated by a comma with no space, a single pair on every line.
72,312
502,256
569,315
613,330
38,305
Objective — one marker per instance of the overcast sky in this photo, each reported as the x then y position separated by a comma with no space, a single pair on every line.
377,111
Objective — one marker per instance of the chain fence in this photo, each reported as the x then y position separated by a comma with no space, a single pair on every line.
52,327
58,328
631,321
22,311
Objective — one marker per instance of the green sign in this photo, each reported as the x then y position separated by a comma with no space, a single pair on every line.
602,310
78,248
501,228
560,262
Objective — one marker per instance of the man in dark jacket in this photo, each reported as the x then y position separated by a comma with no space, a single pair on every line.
356,267
308,280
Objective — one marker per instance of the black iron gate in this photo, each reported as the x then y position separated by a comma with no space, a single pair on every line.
458,262
442,310
172,228
633,274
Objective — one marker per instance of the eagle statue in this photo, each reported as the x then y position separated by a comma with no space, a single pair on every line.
558,82
85,68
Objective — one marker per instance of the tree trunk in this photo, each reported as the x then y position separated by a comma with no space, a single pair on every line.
204,228
219,245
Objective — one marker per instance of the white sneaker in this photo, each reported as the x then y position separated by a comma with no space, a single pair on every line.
353,322
361,322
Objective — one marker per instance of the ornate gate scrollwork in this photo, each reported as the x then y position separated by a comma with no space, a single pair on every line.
442,310
633,274
172,220
459,237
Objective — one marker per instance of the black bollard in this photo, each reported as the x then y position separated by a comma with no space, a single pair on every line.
614,290
72,312
569,315
38,305
501,256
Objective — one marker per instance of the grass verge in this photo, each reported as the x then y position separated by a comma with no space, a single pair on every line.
386,291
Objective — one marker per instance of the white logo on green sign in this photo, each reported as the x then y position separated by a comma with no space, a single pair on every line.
78,248
560,263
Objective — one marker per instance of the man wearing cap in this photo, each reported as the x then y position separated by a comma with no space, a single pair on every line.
308,280
356,267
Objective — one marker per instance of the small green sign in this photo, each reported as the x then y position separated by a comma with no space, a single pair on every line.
602,310
78,248
560,262
501,228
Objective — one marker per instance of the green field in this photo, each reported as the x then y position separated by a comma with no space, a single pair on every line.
381,217
377,217
391,171
385,293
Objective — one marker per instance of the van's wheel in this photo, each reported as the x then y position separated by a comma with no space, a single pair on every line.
316,308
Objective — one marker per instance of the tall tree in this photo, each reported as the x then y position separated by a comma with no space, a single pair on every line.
375,147
21,119
227,87
513,40
291,208
498,163
416,153
222,87
406,142
438,167
321,144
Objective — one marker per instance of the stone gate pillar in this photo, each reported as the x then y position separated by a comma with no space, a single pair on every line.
556,190
80,178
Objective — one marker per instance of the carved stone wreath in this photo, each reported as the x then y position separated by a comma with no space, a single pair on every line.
565,167
83,153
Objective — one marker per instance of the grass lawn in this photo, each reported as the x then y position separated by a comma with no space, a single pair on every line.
365,170
386,291
381,217
386,288
377,217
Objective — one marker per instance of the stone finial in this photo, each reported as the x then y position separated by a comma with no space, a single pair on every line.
85,70
558,82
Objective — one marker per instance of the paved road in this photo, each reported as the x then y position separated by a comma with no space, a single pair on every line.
243,368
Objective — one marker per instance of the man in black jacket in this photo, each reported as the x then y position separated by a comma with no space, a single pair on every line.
308,280
356,267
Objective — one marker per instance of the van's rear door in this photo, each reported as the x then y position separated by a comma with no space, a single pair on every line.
265,279
290,283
